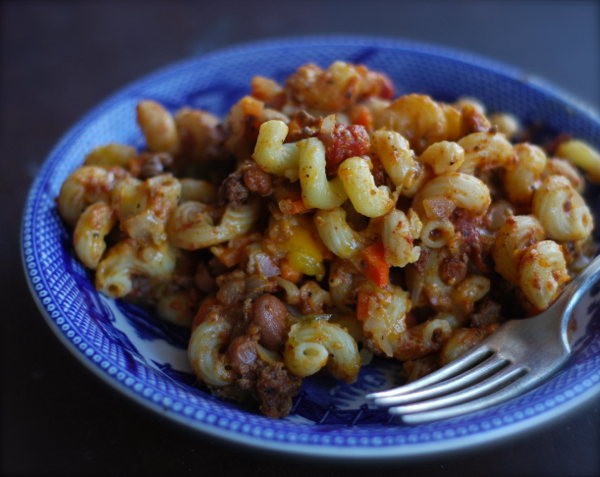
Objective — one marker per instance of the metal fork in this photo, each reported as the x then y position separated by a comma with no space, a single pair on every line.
517,357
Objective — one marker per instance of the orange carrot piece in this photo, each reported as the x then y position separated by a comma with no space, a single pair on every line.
376,267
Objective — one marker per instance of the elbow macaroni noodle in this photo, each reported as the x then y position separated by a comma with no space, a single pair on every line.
543,269
561,210
485,150
398,235
523,178
317,191
443,156
208,362
352,225
91,229
463,190
115,272
84,187
315,343
368,199
517,234
270,153
191,227
583,155
398,161
338,235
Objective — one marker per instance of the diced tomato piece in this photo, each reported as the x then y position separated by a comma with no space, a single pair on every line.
361,115
344,142
376,267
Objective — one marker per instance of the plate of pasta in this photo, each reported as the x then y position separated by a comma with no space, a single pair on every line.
250,242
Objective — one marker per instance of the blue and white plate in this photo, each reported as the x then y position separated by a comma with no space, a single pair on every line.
146,359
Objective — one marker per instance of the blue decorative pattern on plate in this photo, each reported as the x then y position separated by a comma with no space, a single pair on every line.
146,359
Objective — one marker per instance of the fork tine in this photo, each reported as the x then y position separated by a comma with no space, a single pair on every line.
465,362
470,376
487,386
512,390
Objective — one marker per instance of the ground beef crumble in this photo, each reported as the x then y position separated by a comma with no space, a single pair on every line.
276,387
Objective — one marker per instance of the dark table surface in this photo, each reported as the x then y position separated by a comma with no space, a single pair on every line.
58,59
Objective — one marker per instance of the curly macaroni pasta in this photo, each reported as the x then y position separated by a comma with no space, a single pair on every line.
324,223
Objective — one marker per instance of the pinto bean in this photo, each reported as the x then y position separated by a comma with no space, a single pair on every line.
242,353
270,315
258,181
